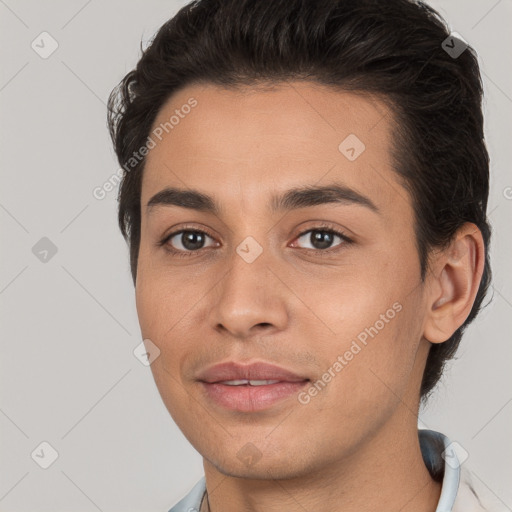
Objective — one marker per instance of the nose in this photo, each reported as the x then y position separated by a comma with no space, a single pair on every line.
250,300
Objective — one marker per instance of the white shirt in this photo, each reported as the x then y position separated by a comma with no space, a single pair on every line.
459,493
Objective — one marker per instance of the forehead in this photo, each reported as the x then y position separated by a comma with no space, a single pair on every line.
240,142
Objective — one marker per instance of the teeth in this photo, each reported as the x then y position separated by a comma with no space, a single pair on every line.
235,382
243,382
262,382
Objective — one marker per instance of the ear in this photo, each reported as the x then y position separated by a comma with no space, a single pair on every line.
455,274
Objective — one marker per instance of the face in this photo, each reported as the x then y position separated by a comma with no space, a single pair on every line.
299,253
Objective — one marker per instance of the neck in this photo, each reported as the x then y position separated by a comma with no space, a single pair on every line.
386,474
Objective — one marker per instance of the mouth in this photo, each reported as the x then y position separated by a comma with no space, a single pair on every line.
249,388
246,396
246,382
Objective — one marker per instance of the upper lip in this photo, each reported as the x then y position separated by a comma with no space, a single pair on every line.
255,371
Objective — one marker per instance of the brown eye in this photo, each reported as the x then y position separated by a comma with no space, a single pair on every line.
321,239
186,241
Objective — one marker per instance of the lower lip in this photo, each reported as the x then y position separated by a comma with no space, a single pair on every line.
251,398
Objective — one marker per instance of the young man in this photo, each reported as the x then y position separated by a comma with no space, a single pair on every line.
304,195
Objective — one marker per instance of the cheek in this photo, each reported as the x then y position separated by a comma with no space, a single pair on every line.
379,357
162,296
168,304
375,319
161,313
159,310
362,302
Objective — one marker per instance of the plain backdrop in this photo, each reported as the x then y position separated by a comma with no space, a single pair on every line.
68,374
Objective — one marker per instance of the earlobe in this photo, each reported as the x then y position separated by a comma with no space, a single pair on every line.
455,278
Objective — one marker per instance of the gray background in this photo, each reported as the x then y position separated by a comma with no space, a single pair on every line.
69,324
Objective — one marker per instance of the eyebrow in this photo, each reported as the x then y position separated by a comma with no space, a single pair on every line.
293,199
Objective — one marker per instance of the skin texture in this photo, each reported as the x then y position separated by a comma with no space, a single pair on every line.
353,446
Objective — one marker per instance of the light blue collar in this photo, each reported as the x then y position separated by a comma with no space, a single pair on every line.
440,457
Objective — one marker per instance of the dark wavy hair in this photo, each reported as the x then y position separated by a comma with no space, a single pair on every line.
393,50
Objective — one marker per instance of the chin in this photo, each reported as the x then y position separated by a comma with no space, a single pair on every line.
264,468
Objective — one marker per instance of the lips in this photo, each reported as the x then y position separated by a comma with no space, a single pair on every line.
249,388
259,371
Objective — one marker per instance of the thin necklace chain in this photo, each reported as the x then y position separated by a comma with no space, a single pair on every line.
205,504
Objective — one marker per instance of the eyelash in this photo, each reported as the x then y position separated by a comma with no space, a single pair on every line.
322,228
